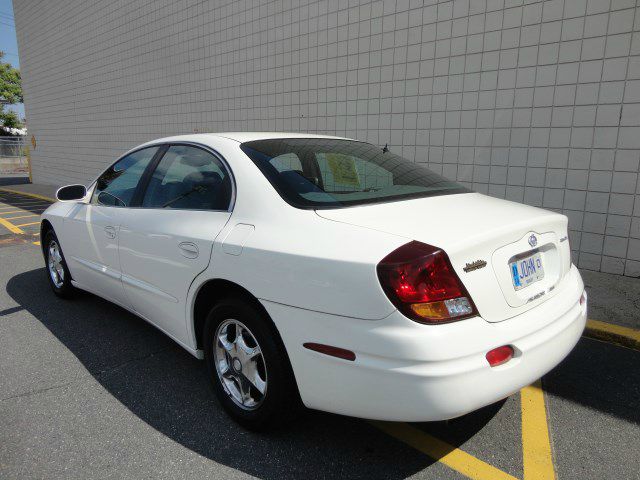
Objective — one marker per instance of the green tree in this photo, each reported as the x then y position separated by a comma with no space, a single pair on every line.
10,93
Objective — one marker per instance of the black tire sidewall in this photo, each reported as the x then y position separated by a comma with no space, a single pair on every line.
66,290
281,400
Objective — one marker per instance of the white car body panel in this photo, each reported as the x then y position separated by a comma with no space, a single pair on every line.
91,231
472,227
315,274
406,371
161,252
281,264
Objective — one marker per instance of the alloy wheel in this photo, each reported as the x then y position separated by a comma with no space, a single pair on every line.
54,263
240,364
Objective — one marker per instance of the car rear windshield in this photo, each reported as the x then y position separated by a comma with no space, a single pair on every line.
331,173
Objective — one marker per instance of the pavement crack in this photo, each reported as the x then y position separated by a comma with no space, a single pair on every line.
38,391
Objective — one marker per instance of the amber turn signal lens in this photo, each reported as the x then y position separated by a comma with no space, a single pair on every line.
433,310
443,310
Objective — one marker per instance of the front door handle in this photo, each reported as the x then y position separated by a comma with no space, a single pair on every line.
189,250
110,231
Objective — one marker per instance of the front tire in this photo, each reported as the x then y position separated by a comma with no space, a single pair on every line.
57,271
248,366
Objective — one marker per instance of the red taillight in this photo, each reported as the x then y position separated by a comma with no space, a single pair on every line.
500,355
420,281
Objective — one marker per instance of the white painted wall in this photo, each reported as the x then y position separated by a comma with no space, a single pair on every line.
534,101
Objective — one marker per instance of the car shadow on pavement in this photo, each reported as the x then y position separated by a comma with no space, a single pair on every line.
13,179
169,390
20,202
600,376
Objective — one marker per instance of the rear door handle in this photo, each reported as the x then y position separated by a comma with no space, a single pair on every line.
110,231
189,250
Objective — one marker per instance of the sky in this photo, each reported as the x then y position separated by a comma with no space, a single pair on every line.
8,43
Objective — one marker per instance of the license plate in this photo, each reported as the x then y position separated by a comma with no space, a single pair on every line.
526,271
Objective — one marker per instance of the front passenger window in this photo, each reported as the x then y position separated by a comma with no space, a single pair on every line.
116,186
189,178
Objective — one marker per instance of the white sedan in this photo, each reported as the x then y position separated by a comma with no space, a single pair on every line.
323,271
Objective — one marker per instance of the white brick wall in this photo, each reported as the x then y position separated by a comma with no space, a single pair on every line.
534,101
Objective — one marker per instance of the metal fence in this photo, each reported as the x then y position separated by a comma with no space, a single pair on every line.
14,153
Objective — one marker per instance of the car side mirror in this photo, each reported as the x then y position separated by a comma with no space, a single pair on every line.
71,192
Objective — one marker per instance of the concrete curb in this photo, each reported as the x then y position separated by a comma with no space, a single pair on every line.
623,336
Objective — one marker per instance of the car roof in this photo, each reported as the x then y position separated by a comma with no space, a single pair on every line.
206,138
249,136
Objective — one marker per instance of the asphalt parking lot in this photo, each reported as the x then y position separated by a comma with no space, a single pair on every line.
88,390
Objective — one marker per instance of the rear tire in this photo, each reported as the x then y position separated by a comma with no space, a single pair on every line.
56,266
239,339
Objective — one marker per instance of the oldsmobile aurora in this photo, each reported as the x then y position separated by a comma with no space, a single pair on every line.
323,271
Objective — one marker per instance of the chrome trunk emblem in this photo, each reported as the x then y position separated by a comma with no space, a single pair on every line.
470,267
533,241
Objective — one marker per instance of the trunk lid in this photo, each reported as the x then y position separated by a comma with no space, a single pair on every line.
472,229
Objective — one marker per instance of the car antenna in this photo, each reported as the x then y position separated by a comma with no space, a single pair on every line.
385,149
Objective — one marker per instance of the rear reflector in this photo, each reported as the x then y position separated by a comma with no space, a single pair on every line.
332,351
500,355
583,298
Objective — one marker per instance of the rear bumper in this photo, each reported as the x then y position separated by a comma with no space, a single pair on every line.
405,371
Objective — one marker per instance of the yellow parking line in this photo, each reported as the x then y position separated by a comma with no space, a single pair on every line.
23,216
36,243
449,455
32,204
13,211
16,211
27,194
608,332
23,207
536,444
10,226
4,198
28,224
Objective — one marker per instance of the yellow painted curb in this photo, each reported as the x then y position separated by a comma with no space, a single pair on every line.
27,194
608,332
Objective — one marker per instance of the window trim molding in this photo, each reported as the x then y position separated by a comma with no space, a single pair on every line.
143,183
141,187
135,193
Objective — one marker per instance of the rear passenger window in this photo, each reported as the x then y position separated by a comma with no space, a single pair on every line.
116,186
189,178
